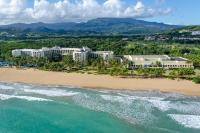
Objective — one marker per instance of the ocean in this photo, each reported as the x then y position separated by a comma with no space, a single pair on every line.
28,108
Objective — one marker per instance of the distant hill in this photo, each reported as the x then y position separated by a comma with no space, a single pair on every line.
99,26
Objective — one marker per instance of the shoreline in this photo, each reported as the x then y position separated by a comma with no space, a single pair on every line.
90,81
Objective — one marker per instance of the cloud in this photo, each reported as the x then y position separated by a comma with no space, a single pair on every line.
73,10
10,8
160,1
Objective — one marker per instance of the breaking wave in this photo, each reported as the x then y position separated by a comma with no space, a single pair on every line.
191,121
28,98
6,87
52,93
143,108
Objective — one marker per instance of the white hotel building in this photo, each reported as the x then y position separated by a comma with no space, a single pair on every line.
158,61
82,54
79,54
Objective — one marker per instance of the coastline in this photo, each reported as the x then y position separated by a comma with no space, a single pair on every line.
34,76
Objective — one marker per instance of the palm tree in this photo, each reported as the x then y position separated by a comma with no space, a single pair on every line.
158,64
127,63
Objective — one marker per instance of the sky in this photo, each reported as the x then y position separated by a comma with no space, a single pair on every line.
178,12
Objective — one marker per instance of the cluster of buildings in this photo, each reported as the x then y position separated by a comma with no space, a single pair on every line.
157,38
82,55
78,54
186,38
183,36
194,33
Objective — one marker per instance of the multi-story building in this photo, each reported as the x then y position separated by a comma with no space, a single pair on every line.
106,55
69,51
44,52
82,54
79,54
158,61
23,52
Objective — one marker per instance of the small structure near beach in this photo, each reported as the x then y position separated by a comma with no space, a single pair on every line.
158,61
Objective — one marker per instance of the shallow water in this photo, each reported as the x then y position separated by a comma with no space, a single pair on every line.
54,109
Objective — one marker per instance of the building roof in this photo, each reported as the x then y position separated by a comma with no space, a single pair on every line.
150,56
154,58
102,52
77,49
179,59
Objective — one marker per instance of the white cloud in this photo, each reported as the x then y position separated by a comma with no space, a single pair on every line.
10,8
160,1
139,8
73,10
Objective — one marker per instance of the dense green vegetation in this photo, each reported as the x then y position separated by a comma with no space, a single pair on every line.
113,67
133,46
183,72
197,80
152,72
105,43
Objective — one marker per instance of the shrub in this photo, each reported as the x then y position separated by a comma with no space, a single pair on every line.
181,72
152,72
196,80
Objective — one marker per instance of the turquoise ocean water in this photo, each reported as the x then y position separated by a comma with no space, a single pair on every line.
54,109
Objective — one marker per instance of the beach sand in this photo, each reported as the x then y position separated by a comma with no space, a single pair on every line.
34,76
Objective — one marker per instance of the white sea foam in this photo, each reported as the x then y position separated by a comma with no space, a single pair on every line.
160,104
165,105
28,98
138,109
122,107
114,98
190,121
6,87
52,93
155,101
104,91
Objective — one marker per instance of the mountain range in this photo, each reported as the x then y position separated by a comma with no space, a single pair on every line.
99,26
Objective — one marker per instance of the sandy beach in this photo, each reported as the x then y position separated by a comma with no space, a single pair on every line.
97,81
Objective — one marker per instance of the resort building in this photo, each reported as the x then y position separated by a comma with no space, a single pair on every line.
158,61
44,52
70,51
106,55
79,54
82,55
